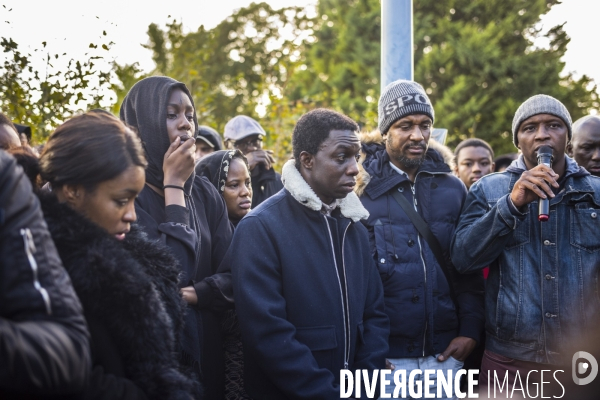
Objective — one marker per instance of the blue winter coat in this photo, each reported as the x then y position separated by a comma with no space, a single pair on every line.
423,317
308,297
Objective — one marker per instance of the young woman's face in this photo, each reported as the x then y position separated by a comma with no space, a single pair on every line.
111,204
180,115
237,192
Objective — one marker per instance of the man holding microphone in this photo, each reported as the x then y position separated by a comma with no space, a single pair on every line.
542,290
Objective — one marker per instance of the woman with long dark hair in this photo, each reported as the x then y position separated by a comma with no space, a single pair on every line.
185,212
127,284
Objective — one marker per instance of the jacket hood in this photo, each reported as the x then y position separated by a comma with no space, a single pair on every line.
145,109
350,206
215,167
572,168
374,161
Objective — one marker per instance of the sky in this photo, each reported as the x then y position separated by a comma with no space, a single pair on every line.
70,25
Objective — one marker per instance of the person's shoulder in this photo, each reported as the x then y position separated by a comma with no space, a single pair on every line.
273,204
205,189
493,186
495,178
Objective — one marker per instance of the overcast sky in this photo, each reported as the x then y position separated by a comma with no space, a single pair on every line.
70,25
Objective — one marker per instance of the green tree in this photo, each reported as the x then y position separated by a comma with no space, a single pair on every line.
45,99
242,64
474,57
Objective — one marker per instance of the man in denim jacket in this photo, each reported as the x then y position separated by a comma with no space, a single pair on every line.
542,289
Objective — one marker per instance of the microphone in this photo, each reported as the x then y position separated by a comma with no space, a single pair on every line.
544,156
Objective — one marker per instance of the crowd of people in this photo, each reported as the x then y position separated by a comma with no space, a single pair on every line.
143,257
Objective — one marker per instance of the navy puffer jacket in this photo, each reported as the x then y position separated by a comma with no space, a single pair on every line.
423,317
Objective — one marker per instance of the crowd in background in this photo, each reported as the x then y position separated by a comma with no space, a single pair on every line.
144,257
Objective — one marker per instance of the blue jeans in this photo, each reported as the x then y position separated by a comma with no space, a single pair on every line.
423,363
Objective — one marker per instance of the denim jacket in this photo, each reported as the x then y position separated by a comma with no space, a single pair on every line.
542,289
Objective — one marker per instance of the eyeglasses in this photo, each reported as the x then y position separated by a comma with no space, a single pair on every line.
244,144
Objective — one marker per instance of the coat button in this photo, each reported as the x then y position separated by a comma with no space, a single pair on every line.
594,215
547,242
548,277
401,189
411,243
382,261
548,315
415,299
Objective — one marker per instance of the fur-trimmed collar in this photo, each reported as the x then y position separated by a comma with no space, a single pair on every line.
129,288
350,206
373,141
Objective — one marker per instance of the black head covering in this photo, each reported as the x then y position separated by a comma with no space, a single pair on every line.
145,108
215,166
211,135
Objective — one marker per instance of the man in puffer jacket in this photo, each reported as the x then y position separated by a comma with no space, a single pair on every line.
44,349
435,324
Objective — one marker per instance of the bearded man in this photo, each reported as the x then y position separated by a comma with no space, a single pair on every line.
414,201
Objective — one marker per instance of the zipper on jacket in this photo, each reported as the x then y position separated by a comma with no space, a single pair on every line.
345,311
30,250
412,188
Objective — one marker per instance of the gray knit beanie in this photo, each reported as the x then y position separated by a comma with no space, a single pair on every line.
540,104
399,99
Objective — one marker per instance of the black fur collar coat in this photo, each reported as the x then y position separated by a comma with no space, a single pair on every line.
130,296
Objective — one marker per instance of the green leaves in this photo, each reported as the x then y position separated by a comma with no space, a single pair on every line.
44,99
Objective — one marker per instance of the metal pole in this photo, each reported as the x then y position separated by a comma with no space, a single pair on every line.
397,58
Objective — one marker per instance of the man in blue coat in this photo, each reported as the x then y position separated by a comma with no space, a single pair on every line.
307,293
436,316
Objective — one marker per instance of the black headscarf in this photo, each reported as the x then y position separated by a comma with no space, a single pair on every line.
215,166
145,108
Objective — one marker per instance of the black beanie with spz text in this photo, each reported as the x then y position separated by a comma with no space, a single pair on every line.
399,99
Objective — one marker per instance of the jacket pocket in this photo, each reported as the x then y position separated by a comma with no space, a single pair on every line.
384,263
322,342
520,236
584,221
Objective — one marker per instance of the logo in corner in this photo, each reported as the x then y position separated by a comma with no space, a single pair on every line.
581,367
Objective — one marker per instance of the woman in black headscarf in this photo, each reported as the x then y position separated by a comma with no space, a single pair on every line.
186,213
228,171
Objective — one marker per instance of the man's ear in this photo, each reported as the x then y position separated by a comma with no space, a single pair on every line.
493,167
306,160
570,149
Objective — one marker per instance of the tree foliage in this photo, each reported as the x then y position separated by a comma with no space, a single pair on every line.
44,99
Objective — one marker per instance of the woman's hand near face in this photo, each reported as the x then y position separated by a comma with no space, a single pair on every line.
179,162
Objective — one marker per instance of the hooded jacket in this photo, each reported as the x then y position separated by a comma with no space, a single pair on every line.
131,301
308,297
541,296
44,342
423,316
198,234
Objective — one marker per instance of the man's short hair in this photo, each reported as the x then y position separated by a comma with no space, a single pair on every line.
474,142
313,128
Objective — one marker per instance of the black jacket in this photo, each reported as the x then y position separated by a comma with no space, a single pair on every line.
197,234
130,296
43,338
423,317
265,183
307,294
